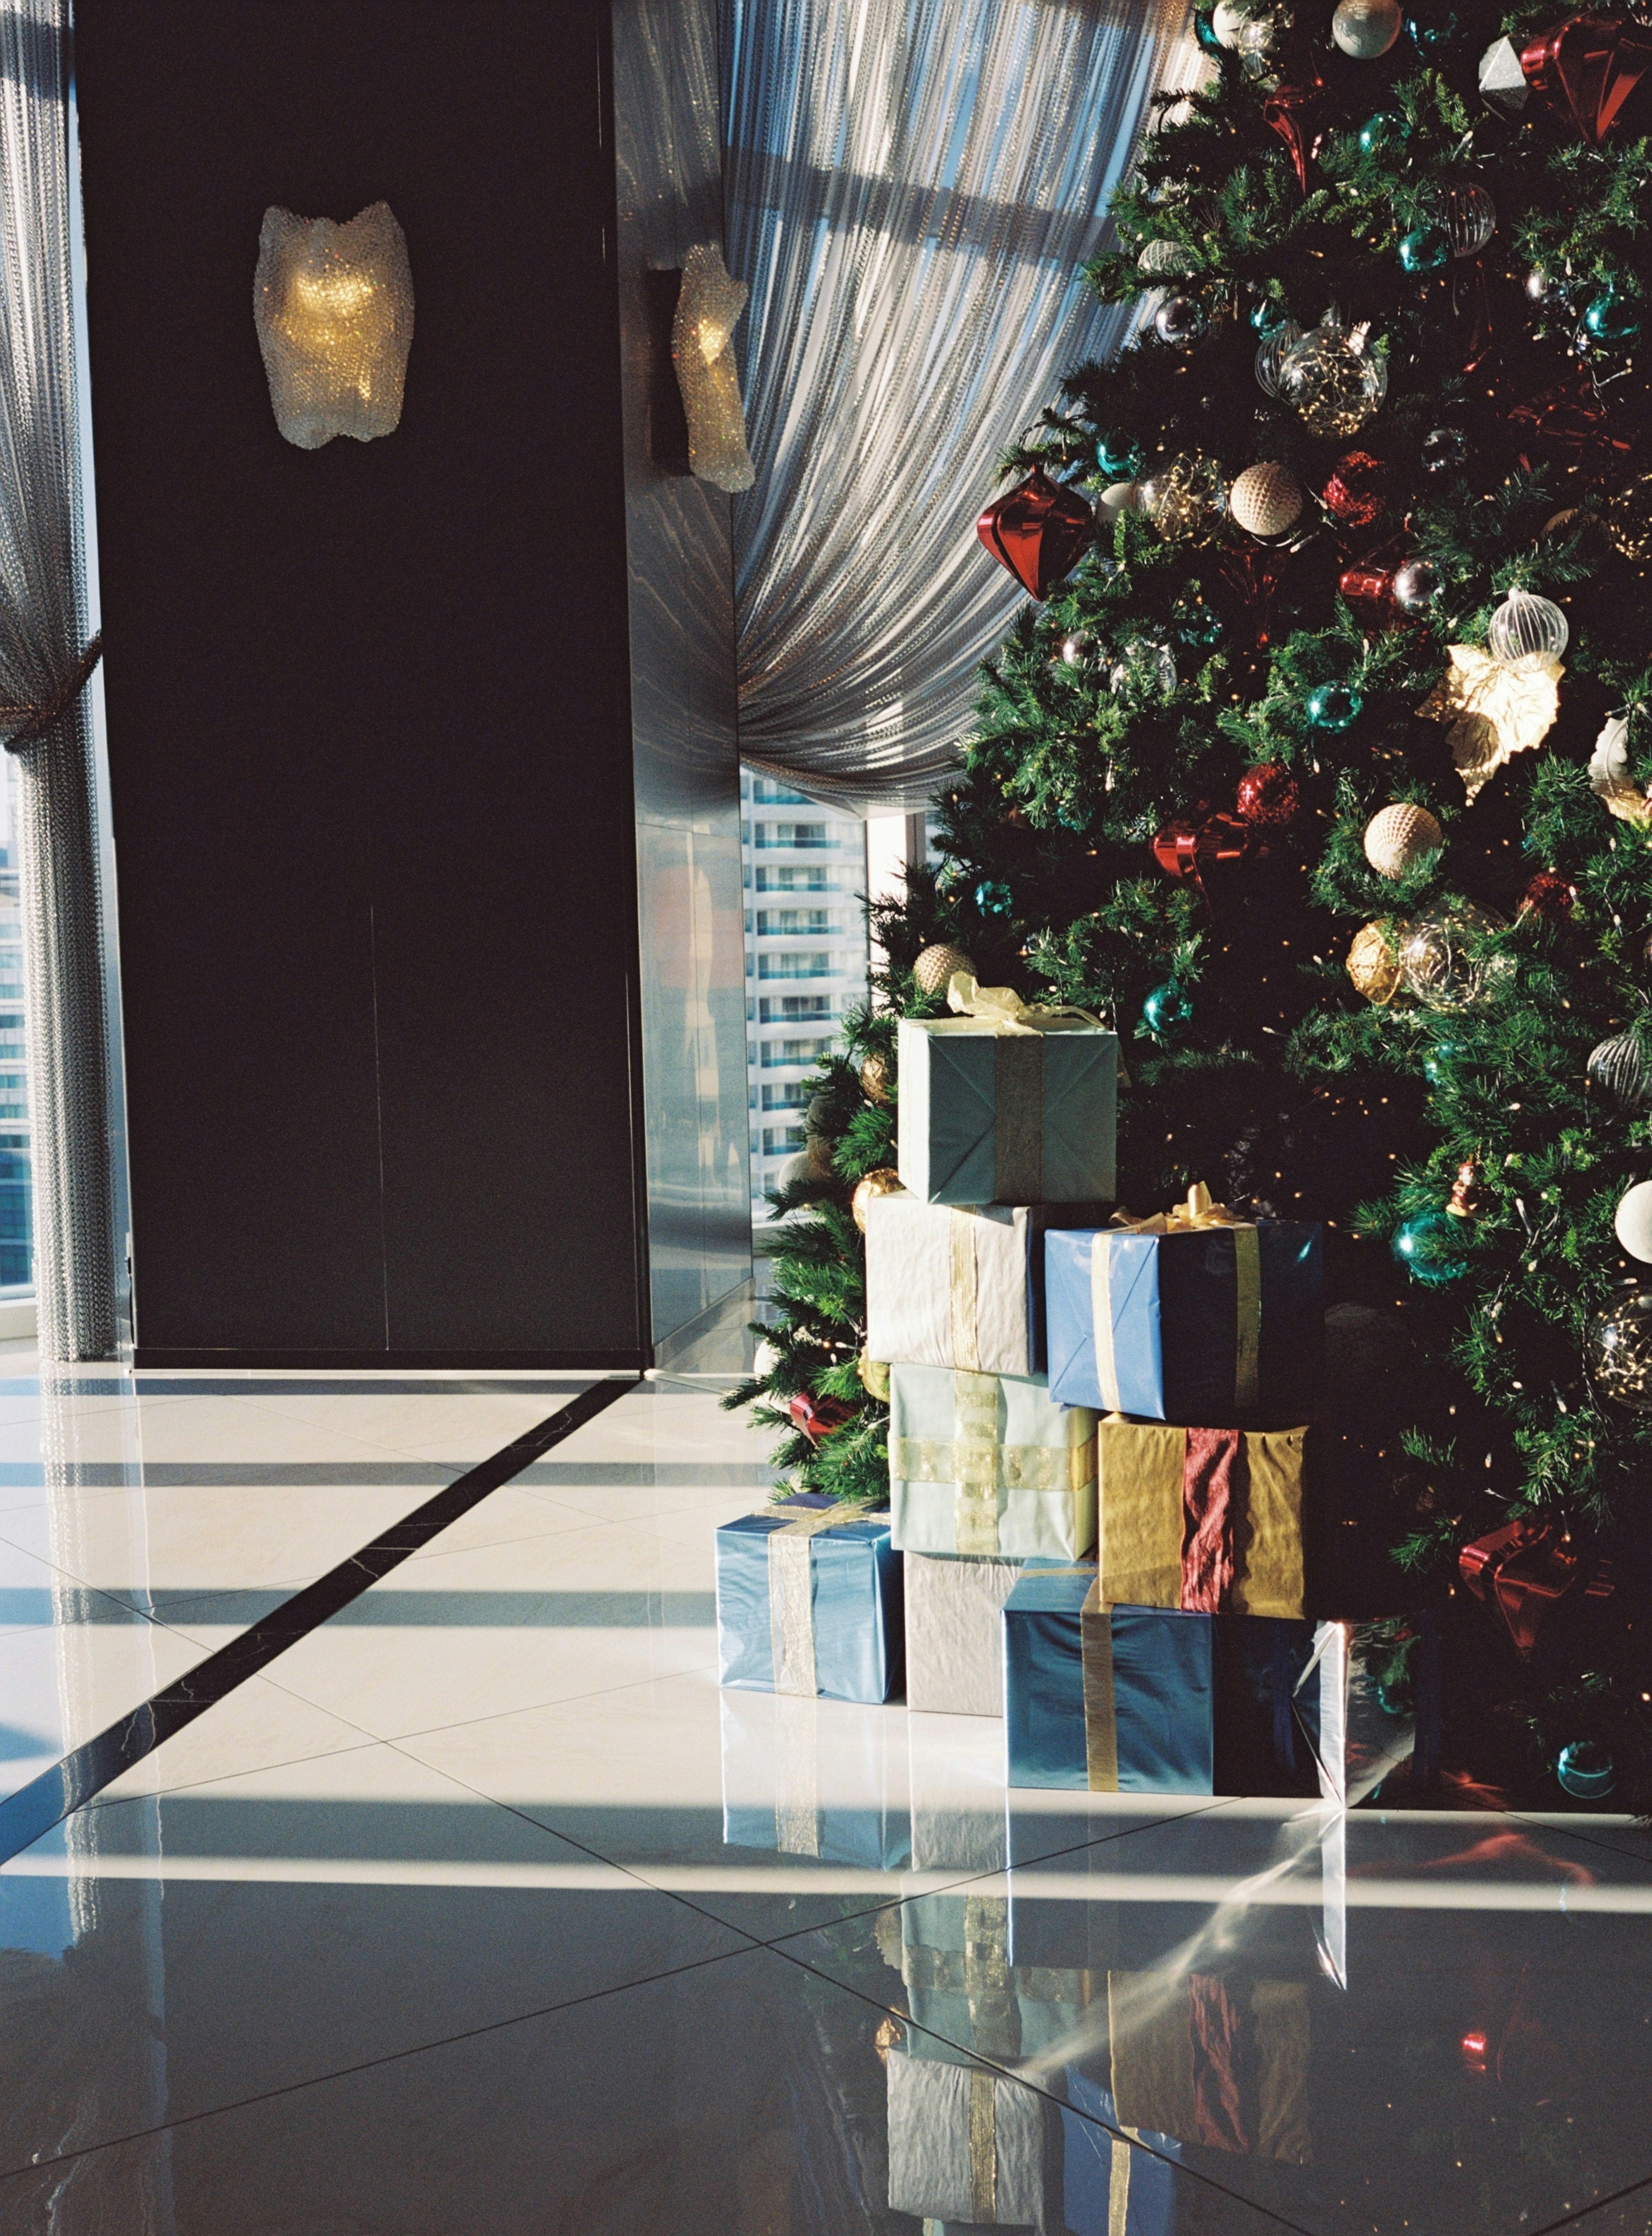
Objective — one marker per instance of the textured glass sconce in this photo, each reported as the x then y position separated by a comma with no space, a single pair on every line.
708,308
333,305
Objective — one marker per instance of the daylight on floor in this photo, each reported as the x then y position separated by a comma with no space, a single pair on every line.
825,1118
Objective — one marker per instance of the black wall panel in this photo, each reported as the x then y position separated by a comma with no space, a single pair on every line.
367,706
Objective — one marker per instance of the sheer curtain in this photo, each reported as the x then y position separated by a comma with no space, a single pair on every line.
912,187
46,659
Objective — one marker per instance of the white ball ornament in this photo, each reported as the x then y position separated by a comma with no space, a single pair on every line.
1632,1221
1526,632
764,1360
1229,19
1400,836
1121,496
1267,499
1366,29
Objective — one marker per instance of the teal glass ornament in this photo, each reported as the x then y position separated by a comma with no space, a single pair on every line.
1610,319
1333,707
1389,127
1425,248
1267,316
1196,624
1117,457
1205,32
1432,28
1586,1770
1167,1012
1429,1247
1438,1061
993,899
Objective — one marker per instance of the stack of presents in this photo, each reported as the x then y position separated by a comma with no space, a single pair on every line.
1109,1525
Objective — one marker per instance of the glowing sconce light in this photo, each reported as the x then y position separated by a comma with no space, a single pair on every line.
333,305
709,305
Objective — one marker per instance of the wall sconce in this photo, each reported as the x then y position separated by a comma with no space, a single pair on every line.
333,305
709,305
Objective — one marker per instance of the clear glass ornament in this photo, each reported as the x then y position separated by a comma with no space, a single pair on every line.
1619,1353
1259,44
1527,632
1467,213
1080,649
1142,670
1166,260
1184,496
1445,960
1272,350
1332,379
1586,1770
1620,1069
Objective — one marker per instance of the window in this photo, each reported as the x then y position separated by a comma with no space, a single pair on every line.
791,834
787,1095
779,1052
795,1009
767,793
782,1141
795,965
782,924
794,877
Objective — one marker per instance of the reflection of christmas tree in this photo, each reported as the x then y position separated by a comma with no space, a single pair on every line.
1324,777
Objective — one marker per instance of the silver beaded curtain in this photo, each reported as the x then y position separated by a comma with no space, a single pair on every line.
46,658
913,187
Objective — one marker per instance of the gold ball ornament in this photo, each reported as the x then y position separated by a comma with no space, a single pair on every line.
885,1181
1373,960
1399,837
935,967
1267,500
874,1080
874,1377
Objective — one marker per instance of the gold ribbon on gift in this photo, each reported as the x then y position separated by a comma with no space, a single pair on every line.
796,1780
966,1295
1196,1214
1002,1009
983,2150
981,1469
1017,1077
1101,1724
791,1606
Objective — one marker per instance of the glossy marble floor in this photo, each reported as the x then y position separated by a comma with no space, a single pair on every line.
478,1909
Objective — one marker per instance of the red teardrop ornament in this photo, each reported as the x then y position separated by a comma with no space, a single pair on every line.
1039,530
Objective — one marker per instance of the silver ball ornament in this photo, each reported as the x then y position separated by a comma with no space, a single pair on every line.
1366,29
1267,500
1416,585
1079,649
1180,320
1400,836
1632,1221
1469,215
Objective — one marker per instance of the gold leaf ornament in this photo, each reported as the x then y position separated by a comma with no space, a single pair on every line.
1612,776
1492,712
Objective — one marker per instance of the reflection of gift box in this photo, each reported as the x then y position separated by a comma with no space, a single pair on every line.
1209,1520
956,1772
799,1779
954,1647
1198,1324
1217,2060
952,1286
965,1994
1359,1728
971,2147
1143,1699
808,1600
986,1464
1110,2186
991,1116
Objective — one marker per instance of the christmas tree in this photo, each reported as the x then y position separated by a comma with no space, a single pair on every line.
1323,777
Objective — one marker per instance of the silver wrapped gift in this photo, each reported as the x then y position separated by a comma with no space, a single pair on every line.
951,1284
970,2146
955,1643
988,1464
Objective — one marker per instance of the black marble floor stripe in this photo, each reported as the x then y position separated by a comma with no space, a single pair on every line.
34,1808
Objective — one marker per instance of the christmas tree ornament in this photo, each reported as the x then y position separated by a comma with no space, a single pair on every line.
817,1115
1039,530
1267,316
992,897
885,1181
1267,500
1611,775
1612,318
1586,1770
1468,214
1522,1569
1492,712
1117,457
1425,248
1229,18
1180,320
1468,1195
1368,586
1143,671
1620,1070
1399,838
1080,649
1429,1247
1443,449
1333,379
1268,797
1416,585
1259,44
1298,108
764,1360
1445,962
1585,68
1548,895
1167,1012
1632,1221
1373,960
818,1416
1628,519
936,968
1333,707
1196,624
1204,33
1388,128
1431,29
1270,353
1121,496
1619,1353
874,1377
1357,492
1166,260
1527,633
1183,497
1190,847
1366,29
874,1080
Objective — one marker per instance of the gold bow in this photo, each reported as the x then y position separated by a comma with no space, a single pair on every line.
1002,1008
1198,1211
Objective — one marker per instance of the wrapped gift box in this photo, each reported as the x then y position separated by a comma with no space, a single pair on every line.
965,1996
954,1647
801,1779
808,1600
1219,2061
950,1285
972,2148
959,1819
994,1116
1199,1325
1212,1520
1357,1734
986,1464
1143,1699
1109,2185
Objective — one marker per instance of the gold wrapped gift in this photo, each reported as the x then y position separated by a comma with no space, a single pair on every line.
1208,1519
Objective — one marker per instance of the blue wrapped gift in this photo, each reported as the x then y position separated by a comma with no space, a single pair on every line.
994,1115
801,1777
808,1600
1132,1700
1198,1324
1109,2187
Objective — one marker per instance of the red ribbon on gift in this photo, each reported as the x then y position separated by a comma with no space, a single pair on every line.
1523,1568
1212,1474
1039,530
1218,2107
1590,65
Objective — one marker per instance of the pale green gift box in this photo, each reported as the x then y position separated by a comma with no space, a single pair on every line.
988,1464
990,1114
